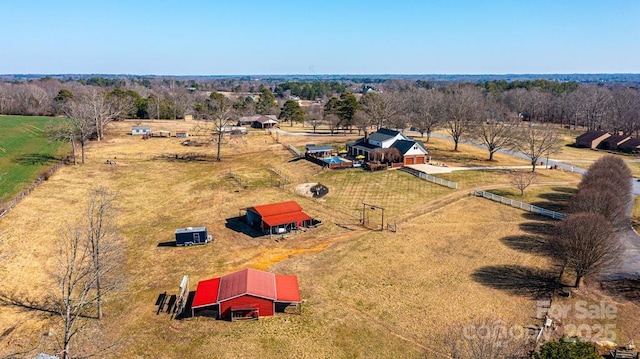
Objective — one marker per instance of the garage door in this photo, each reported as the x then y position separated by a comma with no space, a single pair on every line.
419,160
409,160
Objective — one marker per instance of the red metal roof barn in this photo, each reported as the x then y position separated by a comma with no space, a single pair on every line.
278,217
247,294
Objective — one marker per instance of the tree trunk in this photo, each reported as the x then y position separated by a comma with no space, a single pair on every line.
99,297
73,151
491,152
455,146
533,165
220,134
578,280
82,150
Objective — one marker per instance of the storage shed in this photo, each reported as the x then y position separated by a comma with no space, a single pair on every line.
192,235
140,130
247,294
278,217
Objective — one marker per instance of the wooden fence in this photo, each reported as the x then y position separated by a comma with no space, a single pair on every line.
430,178
517,204
43,177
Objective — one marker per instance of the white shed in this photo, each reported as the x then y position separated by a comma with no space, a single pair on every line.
140,130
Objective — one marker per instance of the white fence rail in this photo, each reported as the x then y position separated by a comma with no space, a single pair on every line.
431,178
296,151
518,204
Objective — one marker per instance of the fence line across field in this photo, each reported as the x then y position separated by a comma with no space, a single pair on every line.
431,178
517,204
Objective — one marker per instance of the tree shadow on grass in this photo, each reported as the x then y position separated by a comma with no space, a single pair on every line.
35,158
628,288
536,245
518,280
539,228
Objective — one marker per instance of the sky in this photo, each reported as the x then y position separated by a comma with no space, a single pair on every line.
284,37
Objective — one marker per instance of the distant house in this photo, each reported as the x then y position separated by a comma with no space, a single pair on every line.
246,294
182,134
278,218
612,142
259,121
632,145
140,130
411,151
591,139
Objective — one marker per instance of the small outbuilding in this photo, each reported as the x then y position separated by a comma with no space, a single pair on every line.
182,134
140,130
247,294
277,218
318,151
192,235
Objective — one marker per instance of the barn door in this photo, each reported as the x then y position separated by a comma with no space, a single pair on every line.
196,238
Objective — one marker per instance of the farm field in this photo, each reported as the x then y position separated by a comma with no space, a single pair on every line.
368,294
25,152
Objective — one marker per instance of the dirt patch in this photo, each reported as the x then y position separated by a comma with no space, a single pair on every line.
304,189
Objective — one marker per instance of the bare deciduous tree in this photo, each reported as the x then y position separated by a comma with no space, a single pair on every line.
535,141
219,116
460,111
422,107
381,107
497,131
586,245
523,179
76,280
63,131
103,241
486,338
81,122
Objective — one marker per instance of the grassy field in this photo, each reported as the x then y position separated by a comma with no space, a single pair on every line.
25,152
368,294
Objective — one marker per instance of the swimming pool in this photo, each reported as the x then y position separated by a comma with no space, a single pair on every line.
334,159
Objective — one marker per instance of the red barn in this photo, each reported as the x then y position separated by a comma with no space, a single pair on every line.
247,294
278,217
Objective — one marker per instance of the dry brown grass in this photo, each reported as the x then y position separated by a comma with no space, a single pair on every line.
368,293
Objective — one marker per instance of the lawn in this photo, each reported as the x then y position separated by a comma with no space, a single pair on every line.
373,294
25,152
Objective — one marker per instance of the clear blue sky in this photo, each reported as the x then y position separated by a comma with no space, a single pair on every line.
220,37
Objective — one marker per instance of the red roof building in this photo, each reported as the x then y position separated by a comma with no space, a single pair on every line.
249,293
278,217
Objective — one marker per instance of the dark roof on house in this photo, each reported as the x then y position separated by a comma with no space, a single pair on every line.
632,143
383,134
421,144
403,145
590,136
616,139
141,127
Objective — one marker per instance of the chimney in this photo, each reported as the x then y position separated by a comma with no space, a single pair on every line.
366,135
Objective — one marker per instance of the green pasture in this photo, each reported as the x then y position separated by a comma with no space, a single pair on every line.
25,152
